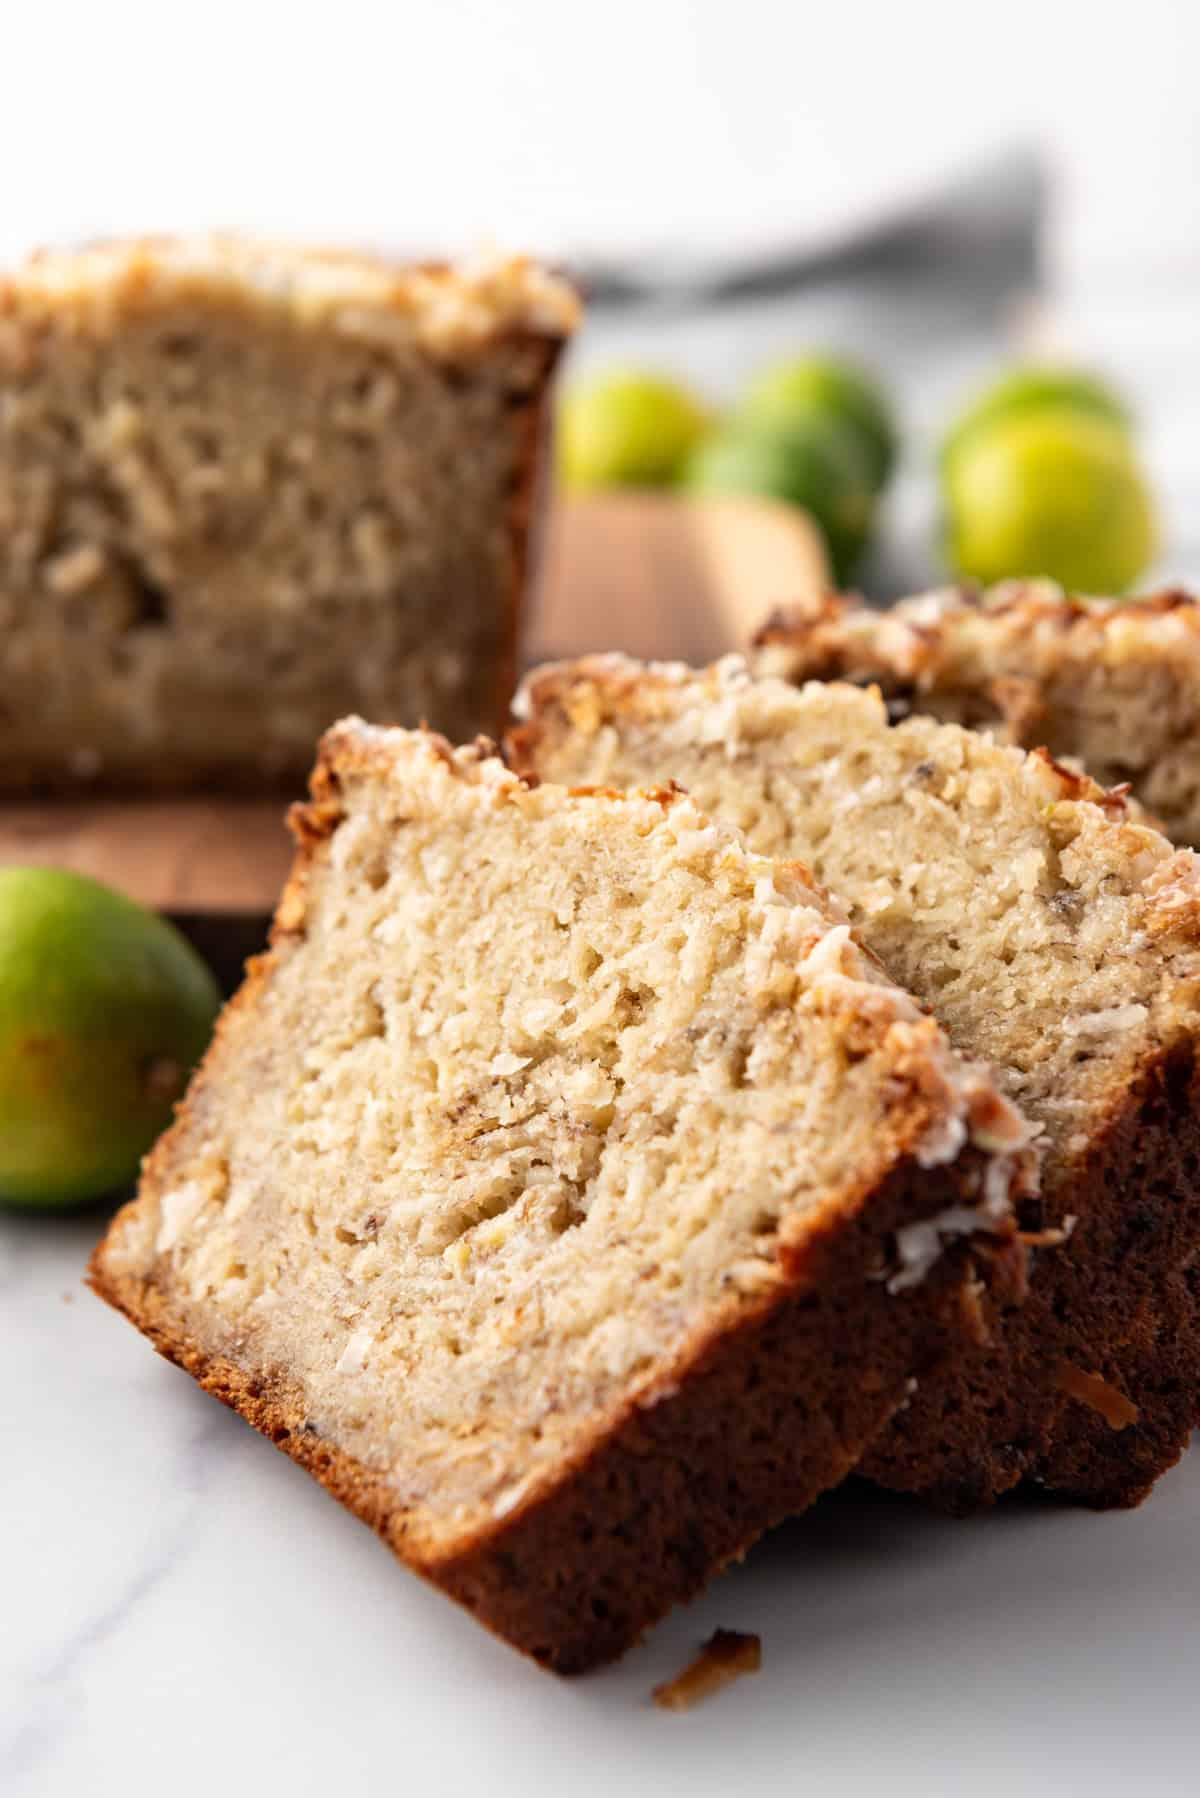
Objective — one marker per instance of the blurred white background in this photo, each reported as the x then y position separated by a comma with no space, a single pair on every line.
640,123
663,134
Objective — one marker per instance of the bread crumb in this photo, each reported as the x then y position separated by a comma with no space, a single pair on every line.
727,1655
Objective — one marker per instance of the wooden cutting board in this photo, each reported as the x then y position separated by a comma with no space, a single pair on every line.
652,575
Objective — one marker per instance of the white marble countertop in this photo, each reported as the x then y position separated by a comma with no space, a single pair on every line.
185,1612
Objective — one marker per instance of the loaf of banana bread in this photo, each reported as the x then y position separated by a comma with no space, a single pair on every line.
1114,685
565,1189
245,488
1050,936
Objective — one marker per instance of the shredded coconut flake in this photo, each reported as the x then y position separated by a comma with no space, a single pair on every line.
508,1501
919,1246
1105,1023
179,1211
353,1357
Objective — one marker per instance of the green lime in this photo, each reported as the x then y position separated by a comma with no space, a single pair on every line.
104,1011
1037,388
1050,493
627,429
811,462
833,387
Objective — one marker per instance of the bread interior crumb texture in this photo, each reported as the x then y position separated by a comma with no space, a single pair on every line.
535,1090
238,500
1049,934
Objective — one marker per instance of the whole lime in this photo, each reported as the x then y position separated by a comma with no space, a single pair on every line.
831,387
811,462
104,1011
1056,493
1037,388
627,429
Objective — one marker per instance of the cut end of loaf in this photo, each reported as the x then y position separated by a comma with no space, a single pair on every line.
247,488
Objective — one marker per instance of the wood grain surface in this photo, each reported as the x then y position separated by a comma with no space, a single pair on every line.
652,575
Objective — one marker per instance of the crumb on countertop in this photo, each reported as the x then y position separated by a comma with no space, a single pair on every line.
726,1656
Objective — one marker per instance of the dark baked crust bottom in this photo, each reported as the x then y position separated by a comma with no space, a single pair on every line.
768,1416
1129,1280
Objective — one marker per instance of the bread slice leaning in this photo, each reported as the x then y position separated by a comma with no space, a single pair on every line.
565,1189
1114,684
1050,936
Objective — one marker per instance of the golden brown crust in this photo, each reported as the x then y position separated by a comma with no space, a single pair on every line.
454,308
995,655
796,627
816,632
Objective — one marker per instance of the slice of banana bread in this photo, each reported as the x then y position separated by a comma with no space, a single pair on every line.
565,1189
246,488
1049,935
1115,685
